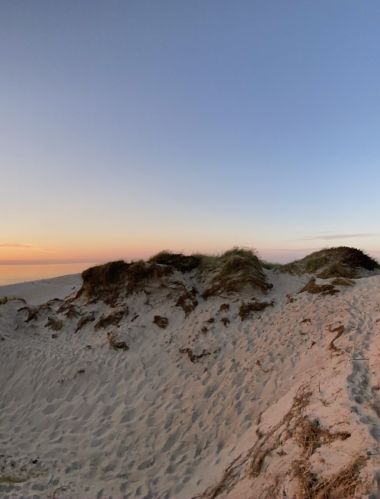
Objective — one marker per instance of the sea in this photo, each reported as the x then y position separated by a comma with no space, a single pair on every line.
11,274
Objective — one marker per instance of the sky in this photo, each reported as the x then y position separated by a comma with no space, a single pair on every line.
128,127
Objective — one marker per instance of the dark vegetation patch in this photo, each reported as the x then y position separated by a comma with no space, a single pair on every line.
225,321
54,323
341,261
141,273
306,321
224,307
246,309
314,288
234,270
116,344
32,313
160,321
106,282
187,301
70,310
194,358
86,319
342,281
112,319
178,261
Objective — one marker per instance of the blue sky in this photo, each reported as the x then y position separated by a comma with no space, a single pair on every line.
132,126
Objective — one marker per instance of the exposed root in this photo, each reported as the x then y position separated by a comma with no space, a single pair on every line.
339,331
194,358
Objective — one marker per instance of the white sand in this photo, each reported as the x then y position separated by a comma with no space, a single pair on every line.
79,419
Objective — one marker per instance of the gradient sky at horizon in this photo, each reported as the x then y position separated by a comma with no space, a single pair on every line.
128,127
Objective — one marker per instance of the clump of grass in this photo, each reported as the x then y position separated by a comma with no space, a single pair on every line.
54,324
234,270
86,319
12,479
112,319
187,301
246,309
341,261
314,288
180,262
160,321
140,273
107,281
104,281
342,281
116,344
270,265
6,299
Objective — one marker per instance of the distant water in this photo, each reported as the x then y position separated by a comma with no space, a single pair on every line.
10,274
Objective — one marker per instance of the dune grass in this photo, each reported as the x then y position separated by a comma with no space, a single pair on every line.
234,270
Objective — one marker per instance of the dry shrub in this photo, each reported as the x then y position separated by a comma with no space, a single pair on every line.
3,300
246,309
255,459
314,288
343,484
112,319
234,270
116,344
160,321
178,261
309,435
269,442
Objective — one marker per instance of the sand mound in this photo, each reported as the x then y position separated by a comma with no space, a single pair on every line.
333,262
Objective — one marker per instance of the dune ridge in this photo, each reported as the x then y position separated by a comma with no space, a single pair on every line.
193,376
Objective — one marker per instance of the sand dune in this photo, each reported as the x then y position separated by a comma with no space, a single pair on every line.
143,397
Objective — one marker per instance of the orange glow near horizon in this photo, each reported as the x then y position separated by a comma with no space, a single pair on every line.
33,254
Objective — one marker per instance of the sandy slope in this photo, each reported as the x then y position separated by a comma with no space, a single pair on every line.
80,419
